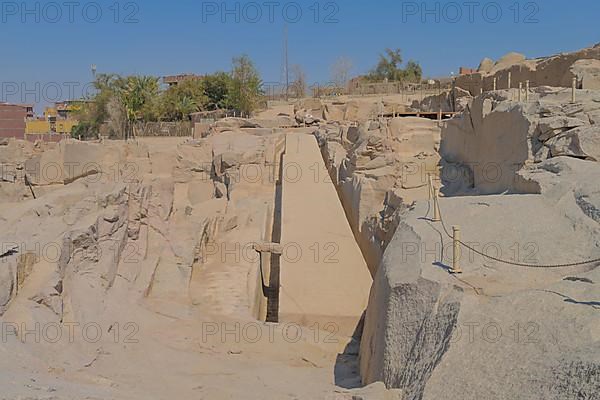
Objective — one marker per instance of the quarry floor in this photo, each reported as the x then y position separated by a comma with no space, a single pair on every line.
167,349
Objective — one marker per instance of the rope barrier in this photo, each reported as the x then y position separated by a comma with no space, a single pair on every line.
518,264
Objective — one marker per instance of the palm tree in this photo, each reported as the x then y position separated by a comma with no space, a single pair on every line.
137,91
185,106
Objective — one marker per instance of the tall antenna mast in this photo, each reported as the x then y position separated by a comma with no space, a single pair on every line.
286,61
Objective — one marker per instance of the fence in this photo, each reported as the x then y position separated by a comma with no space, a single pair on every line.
458,243
360,89
427,89
46,137
152,129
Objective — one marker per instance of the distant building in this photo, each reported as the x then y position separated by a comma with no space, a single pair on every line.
66,109
57,120
174,80
13,119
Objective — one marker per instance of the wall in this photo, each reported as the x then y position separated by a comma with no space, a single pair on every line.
183,128
12,120
45,137
37,127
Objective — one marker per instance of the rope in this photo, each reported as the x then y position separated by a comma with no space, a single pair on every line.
518,264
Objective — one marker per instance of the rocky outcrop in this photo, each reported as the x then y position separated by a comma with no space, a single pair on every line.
69,161
446,336
455,100
441,336
90,257
558,71
588,73
498,136
308,111
402,349
379,168
136,226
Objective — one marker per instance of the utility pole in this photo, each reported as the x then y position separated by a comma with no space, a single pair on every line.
286,63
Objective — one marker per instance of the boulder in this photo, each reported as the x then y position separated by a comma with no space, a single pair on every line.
496,136
448,101
549,127
439,336
232,123
280,121
311,105
581,142
485,65
587,72
334,112
70,161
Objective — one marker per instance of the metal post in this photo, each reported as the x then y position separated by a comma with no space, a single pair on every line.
456,251
436,207
453,94
573,90
430,186
520,90
509,79
527,90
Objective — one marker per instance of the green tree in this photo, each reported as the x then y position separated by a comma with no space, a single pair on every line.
95,112
216,90
245,93
137,95
185,106
186,93
390,68
413,72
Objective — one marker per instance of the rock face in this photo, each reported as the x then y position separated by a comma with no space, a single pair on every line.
312,111
455,100
588,73
126,222
403,348
558,70
155,242
379,167
441,336
69,161
497,136
523,319
308,111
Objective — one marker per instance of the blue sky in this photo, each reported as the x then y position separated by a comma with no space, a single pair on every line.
48,45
